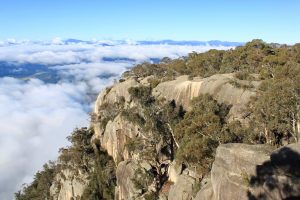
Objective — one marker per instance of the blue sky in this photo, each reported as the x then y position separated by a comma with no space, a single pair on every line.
231,20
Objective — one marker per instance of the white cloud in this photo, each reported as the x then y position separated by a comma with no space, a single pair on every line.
35,120
36,117
57,40
77,52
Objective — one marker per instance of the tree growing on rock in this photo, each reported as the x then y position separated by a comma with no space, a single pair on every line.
276,108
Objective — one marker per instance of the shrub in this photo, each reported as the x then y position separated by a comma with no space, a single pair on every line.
40,187
202,130
102,180
141,94
143,179
242,75
243,86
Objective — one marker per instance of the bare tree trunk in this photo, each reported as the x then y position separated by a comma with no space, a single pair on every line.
267,136
172,133
295,129
297,125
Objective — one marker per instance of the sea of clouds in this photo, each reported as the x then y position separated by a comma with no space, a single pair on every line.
36,116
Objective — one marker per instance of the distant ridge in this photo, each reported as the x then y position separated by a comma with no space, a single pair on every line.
70,41
158,42
191,43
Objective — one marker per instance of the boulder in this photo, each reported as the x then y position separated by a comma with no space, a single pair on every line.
253,172
184,182
232,170
182,188
174,171
279,177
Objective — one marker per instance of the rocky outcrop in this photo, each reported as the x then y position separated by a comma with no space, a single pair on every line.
117,131
68,185
246,172
183,188
239,171
128,179
220,86
233,166
125,186
279,177
112,94
113,137
235,173
184,182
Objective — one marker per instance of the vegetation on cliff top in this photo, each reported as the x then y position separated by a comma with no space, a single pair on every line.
256,57
273,114
276,108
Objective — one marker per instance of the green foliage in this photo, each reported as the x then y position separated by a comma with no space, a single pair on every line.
155,120
154,82
202,130
196,188
178,65
102,179
151,195
134,144
141,94
276,108
204,64
243,75
197,153
241,85
81,150
146,69
99,165
255,57
80,156
76,157
143,179
202,118
133,116
275,111
39,189
108,111
274,118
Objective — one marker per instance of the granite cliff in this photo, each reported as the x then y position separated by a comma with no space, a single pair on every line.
163,133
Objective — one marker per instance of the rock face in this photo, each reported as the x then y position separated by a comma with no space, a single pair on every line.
233,165
114,136
184,182
278,178
125,186
239,171
68,185
183,188
183,90
113,93
245,172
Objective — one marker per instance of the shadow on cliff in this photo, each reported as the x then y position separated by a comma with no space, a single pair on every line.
278,178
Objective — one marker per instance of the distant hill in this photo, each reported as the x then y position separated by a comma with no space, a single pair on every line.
192,43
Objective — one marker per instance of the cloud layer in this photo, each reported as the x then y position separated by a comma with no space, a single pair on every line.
36,116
